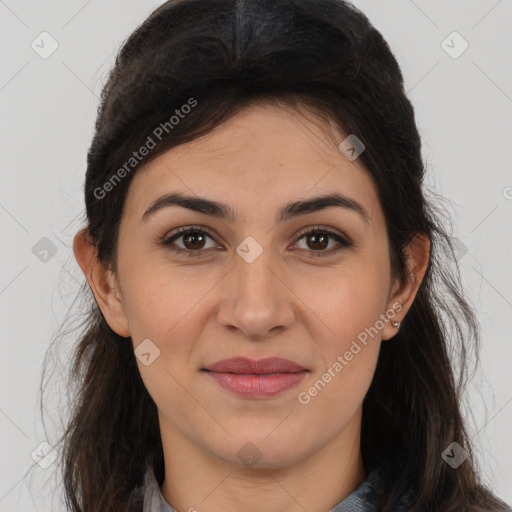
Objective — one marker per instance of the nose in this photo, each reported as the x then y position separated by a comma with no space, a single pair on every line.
257,301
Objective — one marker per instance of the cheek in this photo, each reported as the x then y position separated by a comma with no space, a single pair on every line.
347,338
347,358
347,302
163,308
161,299
335,394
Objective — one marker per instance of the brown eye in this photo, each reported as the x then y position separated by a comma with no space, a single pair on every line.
193,241
317,240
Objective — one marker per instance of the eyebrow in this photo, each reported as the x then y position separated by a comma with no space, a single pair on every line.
223,211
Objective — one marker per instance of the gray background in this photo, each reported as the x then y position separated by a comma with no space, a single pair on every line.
48,106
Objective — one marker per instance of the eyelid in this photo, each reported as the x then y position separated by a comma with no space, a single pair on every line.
325,229
178,232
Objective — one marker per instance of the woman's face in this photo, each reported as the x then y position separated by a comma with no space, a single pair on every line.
254,284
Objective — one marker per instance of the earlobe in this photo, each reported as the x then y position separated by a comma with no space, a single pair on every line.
418,256
102,282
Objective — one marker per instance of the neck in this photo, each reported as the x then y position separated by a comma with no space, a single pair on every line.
197,480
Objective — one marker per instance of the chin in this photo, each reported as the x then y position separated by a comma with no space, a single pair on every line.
261,451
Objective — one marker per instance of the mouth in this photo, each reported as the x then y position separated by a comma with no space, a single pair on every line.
252,379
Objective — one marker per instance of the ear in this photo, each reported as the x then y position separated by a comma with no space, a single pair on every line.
103,283
403,294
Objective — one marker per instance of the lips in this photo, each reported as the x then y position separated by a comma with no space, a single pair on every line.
256,379
250,366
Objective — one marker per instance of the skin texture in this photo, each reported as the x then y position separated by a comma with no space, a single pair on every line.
198,310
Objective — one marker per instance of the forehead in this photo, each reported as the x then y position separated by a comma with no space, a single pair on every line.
258,159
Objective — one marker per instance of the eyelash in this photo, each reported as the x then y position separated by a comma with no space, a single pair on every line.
168,241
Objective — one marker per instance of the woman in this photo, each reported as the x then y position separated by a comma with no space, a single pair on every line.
273,317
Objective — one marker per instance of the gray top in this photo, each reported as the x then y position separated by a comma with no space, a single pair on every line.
362,499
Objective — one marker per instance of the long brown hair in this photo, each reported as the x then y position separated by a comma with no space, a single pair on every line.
326,56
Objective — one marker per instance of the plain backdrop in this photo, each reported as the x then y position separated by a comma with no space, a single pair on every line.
463,103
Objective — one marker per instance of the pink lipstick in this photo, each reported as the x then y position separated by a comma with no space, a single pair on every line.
252,379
